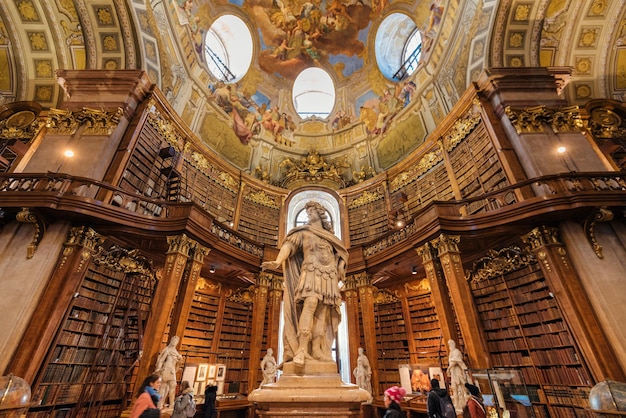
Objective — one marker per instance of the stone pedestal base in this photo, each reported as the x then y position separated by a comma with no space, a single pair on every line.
315,390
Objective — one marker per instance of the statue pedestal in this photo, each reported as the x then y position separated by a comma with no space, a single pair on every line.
313,390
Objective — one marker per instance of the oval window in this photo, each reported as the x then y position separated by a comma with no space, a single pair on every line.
228,48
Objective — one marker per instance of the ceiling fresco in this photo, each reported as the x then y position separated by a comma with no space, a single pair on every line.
376,121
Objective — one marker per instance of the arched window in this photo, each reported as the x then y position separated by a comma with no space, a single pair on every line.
313,93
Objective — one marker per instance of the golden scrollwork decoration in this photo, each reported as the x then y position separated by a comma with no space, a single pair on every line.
120,259
382,296
96,122
601,214
26,216
499,262
461,128
245,296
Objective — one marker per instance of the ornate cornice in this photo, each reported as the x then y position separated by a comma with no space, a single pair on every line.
166,129
499,262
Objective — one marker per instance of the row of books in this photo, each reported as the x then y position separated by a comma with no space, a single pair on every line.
562,395
556,356
539,305
60,373
574,376
560,339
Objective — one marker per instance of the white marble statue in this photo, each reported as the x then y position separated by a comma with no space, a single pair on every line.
314,263
363,372
458,377
268,366
168,362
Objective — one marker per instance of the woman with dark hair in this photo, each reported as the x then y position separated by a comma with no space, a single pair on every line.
147,398
210,394
474,407
393,397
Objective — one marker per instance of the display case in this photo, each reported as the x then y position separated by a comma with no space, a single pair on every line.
504,393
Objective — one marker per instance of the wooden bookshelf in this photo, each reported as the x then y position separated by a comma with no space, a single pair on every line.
89,367
234,341
432,185
368,220
197,341
391,343
476,166
525,329
260,217
425,328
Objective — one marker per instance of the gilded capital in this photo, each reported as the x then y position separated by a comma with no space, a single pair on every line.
181,244
446,243
426,252
541,237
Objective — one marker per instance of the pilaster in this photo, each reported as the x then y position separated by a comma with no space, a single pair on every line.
366,299
182,307
181,248
439,291
259,310
462,300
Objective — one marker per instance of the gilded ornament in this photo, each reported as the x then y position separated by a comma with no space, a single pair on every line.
602,214
499,262
104,15
583,65
516,40
583,91
262,199
38,41
383,296
109,43
44,93
598,8
522,11
43,68
588,37
26,216
27,10
365,198
244,296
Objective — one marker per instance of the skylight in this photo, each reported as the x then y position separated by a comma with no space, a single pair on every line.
397,47
313,93
228,48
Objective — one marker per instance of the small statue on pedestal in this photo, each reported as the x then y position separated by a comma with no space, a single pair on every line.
268,366
458,378
167,364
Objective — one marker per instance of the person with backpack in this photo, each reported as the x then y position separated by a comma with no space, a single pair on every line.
439,403
474,407
184,405
393,397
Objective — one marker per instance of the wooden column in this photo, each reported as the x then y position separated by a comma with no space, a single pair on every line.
259,310
439,293
366,299
163,300
351,297
82,243
182,307
572,299
273,311
462,300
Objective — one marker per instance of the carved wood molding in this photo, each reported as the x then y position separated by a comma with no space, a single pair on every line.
28,216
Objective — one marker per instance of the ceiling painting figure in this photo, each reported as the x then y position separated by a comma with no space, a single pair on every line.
302,33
